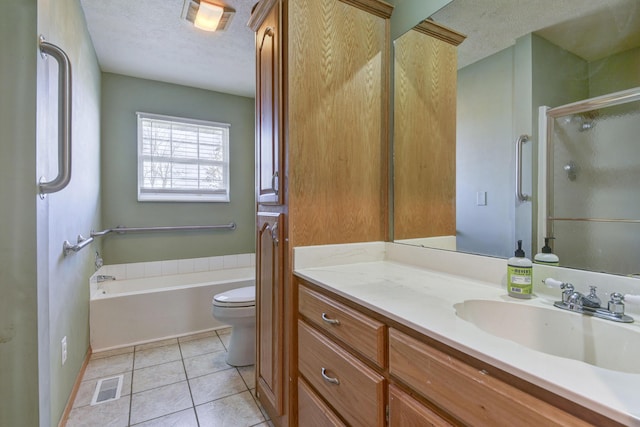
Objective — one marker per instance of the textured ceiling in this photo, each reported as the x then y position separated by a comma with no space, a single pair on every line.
597,26
149,39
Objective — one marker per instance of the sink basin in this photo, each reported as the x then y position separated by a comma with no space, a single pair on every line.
560,333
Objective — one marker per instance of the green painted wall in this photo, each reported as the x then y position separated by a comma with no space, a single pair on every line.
408,13
18,288
74,210
625,66
122,97
43,295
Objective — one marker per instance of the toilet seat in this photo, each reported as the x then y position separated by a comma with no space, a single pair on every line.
240,297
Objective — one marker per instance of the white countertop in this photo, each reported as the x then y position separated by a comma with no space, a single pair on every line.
424,298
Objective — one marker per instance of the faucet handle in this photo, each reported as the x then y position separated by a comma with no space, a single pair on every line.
616,305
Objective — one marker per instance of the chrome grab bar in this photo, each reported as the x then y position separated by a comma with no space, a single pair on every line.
67,247
64,119
123,230
520,196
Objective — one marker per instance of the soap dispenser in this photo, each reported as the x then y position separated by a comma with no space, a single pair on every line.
519,272
546,256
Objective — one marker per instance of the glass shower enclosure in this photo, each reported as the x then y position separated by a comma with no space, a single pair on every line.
590,198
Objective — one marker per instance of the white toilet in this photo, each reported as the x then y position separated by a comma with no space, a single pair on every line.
237,308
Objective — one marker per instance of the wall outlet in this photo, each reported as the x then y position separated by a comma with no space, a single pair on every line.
63,346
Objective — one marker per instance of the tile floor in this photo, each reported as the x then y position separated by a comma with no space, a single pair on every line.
177,382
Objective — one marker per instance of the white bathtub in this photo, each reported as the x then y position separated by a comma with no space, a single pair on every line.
135,311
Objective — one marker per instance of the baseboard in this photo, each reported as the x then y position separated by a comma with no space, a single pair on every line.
74,391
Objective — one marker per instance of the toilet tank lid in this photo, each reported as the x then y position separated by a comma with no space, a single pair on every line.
239,295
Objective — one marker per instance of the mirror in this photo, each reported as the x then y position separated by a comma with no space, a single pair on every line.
454,153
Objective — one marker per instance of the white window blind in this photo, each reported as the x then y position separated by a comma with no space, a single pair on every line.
182,159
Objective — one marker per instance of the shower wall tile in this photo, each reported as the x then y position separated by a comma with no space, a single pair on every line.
169,267
200,264
135,270
244,260
185,266
153,269
216,263
230,261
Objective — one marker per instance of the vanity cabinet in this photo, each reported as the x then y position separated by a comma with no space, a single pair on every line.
415,382
321,153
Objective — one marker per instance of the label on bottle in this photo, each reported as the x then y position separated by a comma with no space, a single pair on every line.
519,280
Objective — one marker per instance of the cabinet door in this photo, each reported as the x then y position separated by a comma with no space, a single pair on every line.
269,150
405,411
269,310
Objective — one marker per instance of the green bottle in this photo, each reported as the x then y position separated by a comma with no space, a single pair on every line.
519,274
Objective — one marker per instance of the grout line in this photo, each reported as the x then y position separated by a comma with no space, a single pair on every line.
133,370
184,367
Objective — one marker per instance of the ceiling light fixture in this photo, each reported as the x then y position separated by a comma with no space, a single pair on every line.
208,16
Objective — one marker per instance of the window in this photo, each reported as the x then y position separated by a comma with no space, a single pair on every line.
182,159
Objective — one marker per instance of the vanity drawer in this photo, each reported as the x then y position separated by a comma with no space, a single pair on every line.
352,388
404,411
364,334
312,411
469,395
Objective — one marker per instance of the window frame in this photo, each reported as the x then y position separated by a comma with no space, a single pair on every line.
183,195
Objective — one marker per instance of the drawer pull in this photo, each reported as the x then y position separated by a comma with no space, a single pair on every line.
330,321
328,378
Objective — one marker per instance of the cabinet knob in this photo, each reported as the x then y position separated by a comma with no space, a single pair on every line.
330,321
329,379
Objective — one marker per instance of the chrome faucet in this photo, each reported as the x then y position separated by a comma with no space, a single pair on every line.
104,278
590,304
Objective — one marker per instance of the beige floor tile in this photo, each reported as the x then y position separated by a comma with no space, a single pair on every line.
214,386
88,388
206,364
226,339
238,410
158,375
108,414
108,366
156,356
154,344
248,374
201,346
264,411
114,352
186,418
160,401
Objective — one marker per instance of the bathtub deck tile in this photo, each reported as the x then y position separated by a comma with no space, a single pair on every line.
205,364
201,346
156,356
158,375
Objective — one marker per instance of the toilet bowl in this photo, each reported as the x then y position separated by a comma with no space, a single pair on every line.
237,308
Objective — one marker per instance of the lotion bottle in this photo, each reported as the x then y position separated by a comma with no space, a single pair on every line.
546,257
519,273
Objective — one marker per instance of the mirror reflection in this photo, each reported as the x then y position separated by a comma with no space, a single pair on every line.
455,132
